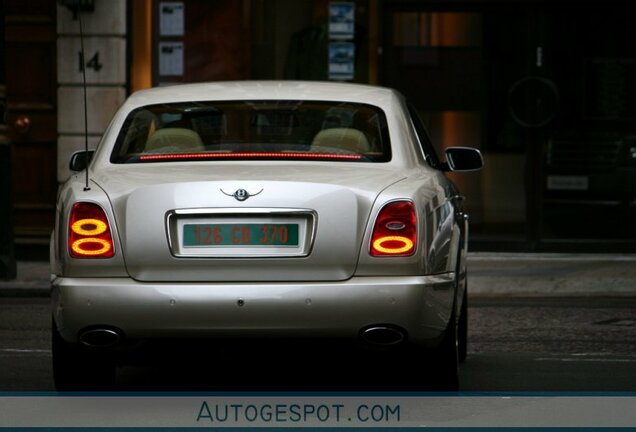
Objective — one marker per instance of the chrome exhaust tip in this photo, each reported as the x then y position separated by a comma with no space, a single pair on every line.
383,335
100,338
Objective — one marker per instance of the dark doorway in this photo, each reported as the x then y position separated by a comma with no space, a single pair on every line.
589,154
32,119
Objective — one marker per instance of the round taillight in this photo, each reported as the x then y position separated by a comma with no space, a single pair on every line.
395,230
89,233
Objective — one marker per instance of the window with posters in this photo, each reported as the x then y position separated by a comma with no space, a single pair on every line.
332,46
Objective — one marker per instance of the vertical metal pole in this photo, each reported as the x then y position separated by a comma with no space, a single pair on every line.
7,250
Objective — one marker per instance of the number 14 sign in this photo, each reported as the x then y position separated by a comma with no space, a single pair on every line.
104,60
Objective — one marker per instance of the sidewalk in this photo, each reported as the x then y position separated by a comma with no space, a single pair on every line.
489,274
33,280
551,274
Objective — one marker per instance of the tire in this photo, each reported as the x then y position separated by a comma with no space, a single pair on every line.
446,365
77,368
462,330
442,365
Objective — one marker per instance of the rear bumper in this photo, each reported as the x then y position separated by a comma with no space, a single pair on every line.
420,305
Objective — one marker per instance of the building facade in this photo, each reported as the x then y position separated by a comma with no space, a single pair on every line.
547,91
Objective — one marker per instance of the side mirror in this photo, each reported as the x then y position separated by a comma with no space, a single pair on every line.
80,160
463,159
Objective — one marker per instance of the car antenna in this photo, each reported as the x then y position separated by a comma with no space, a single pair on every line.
83,67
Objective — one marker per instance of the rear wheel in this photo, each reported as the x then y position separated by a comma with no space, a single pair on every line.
446,363
433,370
453,348
462,330
78,368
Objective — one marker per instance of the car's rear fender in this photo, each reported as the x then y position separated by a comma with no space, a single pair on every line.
439,231
62,263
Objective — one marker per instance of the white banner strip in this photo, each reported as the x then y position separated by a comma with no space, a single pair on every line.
316,411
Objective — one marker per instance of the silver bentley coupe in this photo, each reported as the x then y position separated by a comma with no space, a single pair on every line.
275,210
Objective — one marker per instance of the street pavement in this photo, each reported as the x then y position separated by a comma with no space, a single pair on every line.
489,274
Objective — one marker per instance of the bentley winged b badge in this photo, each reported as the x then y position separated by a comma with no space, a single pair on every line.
241,194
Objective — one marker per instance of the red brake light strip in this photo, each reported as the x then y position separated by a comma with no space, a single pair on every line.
259,155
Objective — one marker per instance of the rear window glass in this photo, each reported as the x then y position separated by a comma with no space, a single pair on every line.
254,130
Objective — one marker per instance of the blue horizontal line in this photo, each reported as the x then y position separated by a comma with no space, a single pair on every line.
320,394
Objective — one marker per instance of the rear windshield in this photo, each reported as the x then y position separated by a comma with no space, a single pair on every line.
254,130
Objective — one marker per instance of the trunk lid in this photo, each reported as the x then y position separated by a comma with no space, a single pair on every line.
233,222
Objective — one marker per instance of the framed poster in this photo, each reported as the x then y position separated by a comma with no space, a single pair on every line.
341,20
171,18
341,61
171,58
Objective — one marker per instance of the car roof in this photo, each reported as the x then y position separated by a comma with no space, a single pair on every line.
265,90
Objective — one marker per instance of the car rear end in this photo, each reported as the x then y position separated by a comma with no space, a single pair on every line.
261,226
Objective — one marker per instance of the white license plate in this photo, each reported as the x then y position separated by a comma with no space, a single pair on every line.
573,183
